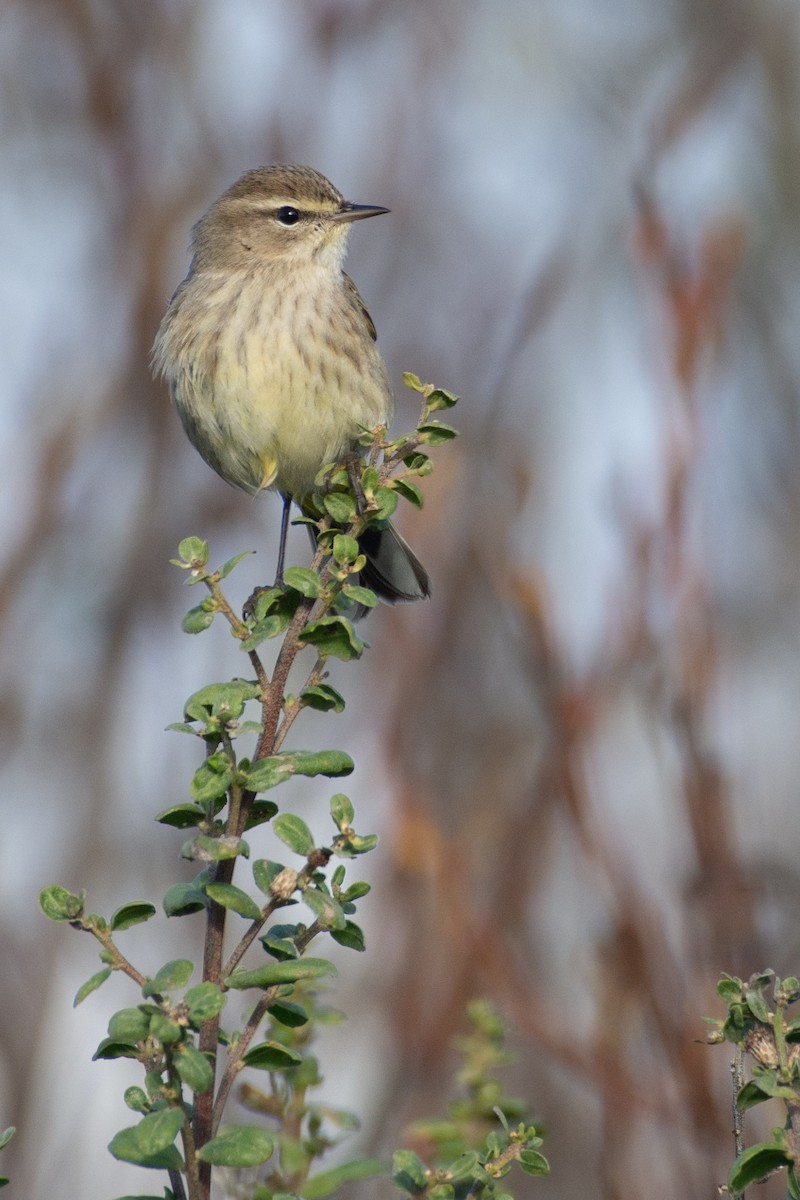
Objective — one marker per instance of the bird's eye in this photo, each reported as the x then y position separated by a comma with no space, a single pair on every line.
288,215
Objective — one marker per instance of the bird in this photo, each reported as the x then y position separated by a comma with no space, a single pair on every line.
270,355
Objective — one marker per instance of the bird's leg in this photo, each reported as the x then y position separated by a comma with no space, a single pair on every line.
287,504
249,609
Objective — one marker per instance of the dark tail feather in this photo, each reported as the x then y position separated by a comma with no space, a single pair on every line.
393,571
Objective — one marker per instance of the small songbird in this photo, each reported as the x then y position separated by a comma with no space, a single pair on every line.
270,354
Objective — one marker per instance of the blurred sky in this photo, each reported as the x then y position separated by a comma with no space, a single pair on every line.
594,240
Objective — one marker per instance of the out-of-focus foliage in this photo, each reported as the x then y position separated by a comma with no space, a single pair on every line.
591,727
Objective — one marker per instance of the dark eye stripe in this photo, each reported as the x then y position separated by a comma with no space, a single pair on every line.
288,215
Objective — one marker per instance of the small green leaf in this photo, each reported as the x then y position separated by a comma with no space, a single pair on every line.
340,506
259,812
303,580
193,550
766,1085
223,700
386,500
439,398
136,1099
345,549
332,635
197,619
90,986
294,833
534,1163
172,975
134,913
279,947
356,891
184,898
149,1144
7,1135
755,1164
322,697
211,780
227,567
288,1013
273,973
329,1181
412,381
264,872
350,935
182,816
266,773
342,811
408,490
325,908
360,595
433,433
130,1025
758,1005
60,905
110,1048
237,1146
203,1001
194,1068
232,897
408,1171
271,1056
209,849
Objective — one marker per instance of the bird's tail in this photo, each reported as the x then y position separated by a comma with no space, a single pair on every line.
393,571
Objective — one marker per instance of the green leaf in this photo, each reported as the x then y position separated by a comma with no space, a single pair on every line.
110,1048
412,381
303,580
259,812
350,935
758,1005
755,1164
211,780
294,833
182,816
288,1013
408,1171
332,635
194,1068
134,913
7,1135
386,500
184,898
266,773
322,697
408,490
270,627
227,567
439,398
164,1029
271,1056
342,811
232,897
210,849
60,905
340,506
203,1001
172,975
264,872
130,1025
136,1099
356,891
90,986
279,947
327,911
534,1163
329,1181
149,1144
433,433
360,595
237,1146
225,701
193,550
345,549
270,974
766,1085
197,619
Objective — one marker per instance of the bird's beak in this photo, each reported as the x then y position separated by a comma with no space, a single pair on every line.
357,212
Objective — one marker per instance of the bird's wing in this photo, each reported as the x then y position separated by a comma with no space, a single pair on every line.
355,298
